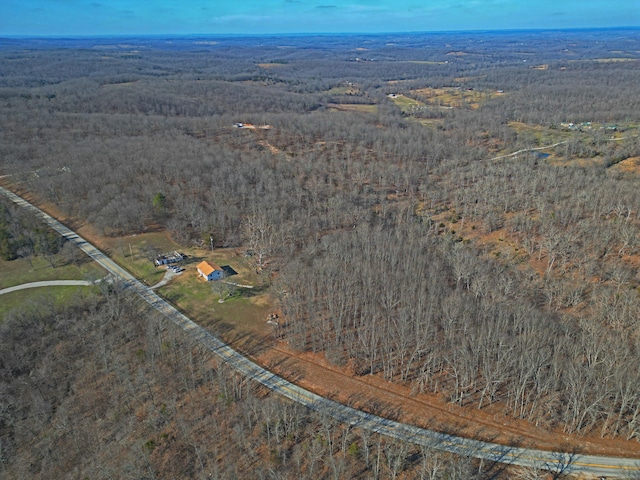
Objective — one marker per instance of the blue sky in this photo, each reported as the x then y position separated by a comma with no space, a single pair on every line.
122,17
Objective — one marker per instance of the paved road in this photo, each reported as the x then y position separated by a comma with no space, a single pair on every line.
552,461
168,275
47,283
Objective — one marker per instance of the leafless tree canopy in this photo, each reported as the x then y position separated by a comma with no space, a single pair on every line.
357,208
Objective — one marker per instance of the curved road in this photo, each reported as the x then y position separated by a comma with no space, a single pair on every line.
544,147
553,461
47,283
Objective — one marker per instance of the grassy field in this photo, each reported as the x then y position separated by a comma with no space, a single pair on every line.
630,165
429,122
353,107
241,315
455,97
543,135
135,253
406,104
19,271
48,298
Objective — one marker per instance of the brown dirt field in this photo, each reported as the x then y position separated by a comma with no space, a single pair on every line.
269,147
631,165
373,393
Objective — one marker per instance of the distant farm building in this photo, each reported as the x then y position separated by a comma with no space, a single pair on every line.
210,271
167,258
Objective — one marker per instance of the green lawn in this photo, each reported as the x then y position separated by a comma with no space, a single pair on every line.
19,271
344,90
133,253
47,298
240,317
406,104
543,135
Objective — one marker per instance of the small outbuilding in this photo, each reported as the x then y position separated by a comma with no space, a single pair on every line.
168,258
210,271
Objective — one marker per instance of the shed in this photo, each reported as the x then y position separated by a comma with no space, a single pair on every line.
168,258
210,271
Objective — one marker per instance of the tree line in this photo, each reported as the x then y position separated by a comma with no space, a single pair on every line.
22,235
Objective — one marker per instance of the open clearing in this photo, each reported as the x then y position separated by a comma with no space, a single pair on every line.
630,165
119,84
454,97
406,104
19,271
540,134
427,62
272,65
243,313
607,60
353,107
47,298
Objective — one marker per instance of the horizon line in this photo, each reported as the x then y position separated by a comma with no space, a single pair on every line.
308,34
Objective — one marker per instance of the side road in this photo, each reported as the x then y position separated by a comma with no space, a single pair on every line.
557,462
48,283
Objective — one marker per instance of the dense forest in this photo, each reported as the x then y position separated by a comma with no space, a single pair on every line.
370,180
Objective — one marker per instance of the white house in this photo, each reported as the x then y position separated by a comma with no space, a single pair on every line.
210,271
